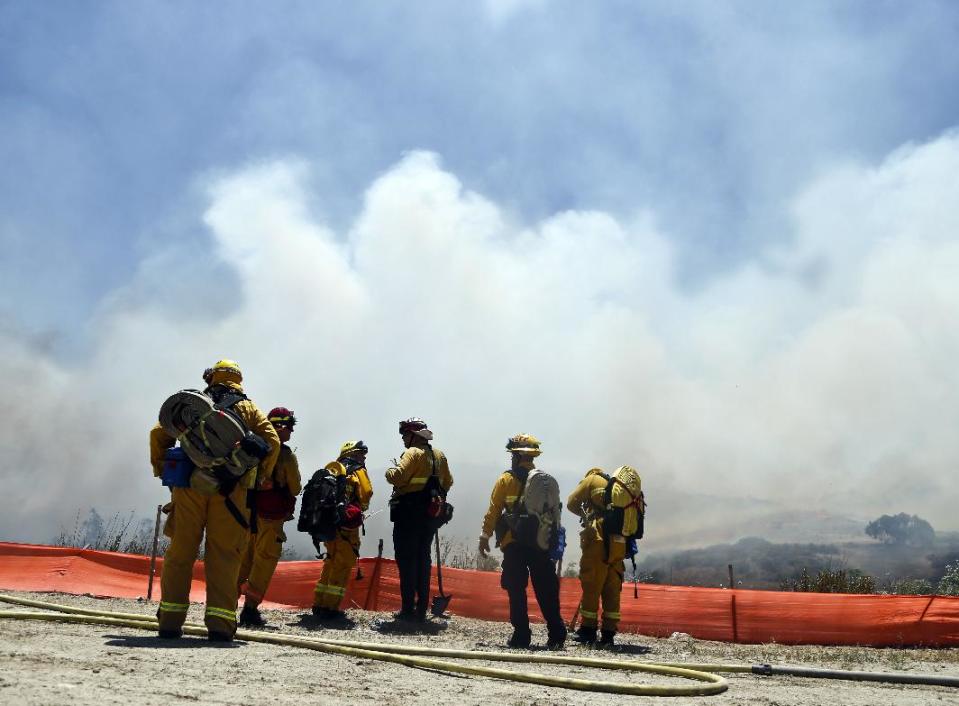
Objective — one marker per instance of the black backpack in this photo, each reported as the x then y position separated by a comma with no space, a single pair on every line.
321,511
614,517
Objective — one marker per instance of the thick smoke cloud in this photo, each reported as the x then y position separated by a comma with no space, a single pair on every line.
819,378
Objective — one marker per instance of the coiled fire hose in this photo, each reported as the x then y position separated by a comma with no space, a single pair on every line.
424,657
409,655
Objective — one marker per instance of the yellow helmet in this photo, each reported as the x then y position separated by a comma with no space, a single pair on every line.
525,444
629,479
353,447
226,371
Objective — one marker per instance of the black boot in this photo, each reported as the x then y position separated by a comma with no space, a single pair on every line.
521,639
174,634
406,616
250,617
328,613
214,636
555,637
606,638
585,635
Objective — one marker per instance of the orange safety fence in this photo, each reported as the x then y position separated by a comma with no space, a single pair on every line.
704,613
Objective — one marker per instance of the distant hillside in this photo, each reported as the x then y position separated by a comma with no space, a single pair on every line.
681,520
780,526
759,563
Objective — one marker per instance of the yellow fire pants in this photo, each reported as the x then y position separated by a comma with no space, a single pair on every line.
226,540
341,556
601,578
259,562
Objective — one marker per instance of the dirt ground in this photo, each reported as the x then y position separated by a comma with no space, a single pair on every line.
59,663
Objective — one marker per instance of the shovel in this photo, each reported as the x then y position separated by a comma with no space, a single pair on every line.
440,602
374,579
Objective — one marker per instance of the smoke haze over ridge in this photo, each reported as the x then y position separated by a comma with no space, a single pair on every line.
817,376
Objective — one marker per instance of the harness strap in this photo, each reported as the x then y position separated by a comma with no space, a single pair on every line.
607,501
201,428
226,487
515,510
433,473
237,515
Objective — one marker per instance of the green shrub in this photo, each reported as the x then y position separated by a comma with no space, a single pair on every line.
949,583
828,581
913,587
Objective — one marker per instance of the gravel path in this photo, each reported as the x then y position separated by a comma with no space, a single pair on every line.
58,663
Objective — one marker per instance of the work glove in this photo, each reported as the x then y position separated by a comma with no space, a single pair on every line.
484,546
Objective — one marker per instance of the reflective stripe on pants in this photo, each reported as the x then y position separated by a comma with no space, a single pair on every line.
226,540
601,580
340,558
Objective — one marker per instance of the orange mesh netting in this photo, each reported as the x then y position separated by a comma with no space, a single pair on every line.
705,613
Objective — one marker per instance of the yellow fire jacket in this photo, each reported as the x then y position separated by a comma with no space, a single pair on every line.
255,421
286,473
505,493
586,501
410,473
358,487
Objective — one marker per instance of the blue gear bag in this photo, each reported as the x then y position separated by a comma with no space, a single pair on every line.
559,545
177,468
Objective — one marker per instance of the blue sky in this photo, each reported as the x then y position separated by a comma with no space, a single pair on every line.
714,240
711,113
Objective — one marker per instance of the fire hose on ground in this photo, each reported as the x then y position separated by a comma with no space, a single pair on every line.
426,657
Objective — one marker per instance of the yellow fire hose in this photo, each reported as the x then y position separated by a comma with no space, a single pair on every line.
413,656
409,655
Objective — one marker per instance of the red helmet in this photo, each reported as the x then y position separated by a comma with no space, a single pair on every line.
282,417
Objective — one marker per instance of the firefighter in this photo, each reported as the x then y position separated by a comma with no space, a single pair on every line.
343,551
275,503
522,562
601,566
412,530
224,519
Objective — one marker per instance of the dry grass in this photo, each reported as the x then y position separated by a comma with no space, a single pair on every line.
119,533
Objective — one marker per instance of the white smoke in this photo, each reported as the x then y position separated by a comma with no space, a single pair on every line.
821,377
